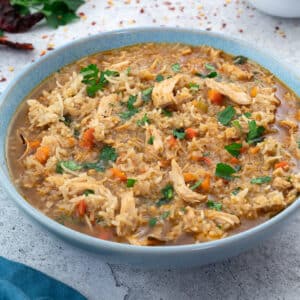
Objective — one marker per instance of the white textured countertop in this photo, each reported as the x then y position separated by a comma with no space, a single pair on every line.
271,271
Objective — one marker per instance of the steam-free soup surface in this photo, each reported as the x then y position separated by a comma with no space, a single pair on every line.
158,144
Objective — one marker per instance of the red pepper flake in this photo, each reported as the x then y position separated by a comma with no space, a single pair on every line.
93,23
224,25
81,14
2,79
43,53
241,31
44,36
142,10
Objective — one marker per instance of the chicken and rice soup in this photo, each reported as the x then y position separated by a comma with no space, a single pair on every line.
158,144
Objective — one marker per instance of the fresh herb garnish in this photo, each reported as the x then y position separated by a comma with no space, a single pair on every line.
236,191
93,80
226,115
143,121
179,133
58,12
152,222
255,133
194,86
1,33
165,214
128,70
196,185
236,124
69,164
131,110
224,171
167,112
298,143
261,180
159,78
239,60
146,94
151,140
168,194
176,68
131,182
76,133
211,74
214,205
247,114
234,149
107,154
67,119
88,192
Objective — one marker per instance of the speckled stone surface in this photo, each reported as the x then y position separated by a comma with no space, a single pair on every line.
271,271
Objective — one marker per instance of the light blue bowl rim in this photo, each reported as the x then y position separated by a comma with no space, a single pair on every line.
292,81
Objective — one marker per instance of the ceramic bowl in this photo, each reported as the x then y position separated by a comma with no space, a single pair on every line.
142,256
278,8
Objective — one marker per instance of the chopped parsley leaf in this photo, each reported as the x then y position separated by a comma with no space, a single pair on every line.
128,70
261,180
210,67
194,86
226,115
179,133
236,191
68,164
176,68
67,119
196,185
234,149
239,60
88,192
143,121
165,214
131,182
93,80
146,94
159,78
151,140
214,205
168,194
76,133
255,133
212,74
236,124
247,114
108,153
152,221
224,171
131,110
167,112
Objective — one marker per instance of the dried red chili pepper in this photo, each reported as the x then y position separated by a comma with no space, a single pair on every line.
12,21
15,45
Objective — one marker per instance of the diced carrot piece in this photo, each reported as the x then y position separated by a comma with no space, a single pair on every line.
105,234
34,144
215,97
205,159
254,91
244,149
282,164
253,150
188,177
298,115
42,154
172,141
205,185
165,163
118,174
190,133
234,160
81,208
71,141
87,139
